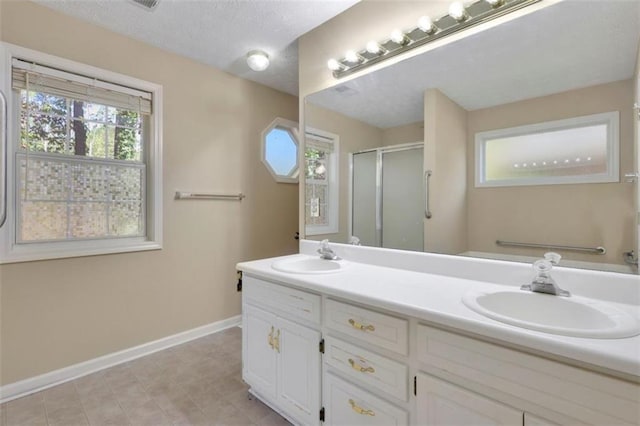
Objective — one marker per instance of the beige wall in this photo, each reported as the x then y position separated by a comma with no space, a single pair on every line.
577,215
60,312
408,133
445,140
354,136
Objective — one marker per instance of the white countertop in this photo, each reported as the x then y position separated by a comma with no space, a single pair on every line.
437,299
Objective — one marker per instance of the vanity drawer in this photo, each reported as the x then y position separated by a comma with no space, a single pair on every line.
368,368
379,329
586,396
346,404
288,301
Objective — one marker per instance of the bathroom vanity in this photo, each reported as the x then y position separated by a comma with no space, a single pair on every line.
367,343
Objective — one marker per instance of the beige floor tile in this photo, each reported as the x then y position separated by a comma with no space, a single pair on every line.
67,416
146,414
195,384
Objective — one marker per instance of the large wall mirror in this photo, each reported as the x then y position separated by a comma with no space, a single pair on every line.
544,102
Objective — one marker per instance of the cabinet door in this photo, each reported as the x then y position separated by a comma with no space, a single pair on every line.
259,357
442,403
298,371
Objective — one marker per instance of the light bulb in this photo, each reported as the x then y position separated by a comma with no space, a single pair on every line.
495,3
457,11
588,158
398,37
374,47
257,60
351,56
426,25
334,65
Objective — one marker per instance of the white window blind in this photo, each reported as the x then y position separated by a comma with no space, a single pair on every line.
39,78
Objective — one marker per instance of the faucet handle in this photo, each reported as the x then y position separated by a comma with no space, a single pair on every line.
552,257
324,244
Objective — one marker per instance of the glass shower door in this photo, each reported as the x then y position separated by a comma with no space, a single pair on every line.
387,197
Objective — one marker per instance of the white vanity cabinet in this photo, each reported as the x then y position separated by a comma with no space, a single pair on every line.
315,356
281,358
442,403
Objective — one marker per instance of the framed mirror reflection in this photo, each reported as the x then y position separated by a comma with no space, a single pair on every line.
522,76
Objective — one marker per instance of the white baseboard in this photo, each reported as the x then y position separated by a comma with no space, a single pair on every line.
56,377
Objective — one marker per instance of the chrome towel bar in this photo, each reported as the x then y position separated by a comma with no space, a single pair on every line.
180,195
595,250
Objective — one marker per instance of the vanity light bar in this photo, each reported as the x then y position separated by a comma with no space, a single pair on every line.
476,13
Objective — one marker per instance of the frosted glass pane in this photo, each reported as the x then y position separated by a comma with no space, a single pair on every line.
403,200
88,220
125,219
126,184
364,198
566,152
44,180
42,220
62,199
89,182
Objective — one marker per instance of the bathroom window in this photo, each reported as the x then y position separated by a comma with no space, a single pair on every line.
321,182
84,161
577,150
280,150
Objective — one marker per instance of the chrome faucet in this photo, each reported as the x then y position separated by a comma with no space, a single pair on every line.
543,282
326,252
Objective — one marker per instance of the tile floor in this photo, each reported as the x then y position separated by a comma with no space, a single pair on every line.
197,383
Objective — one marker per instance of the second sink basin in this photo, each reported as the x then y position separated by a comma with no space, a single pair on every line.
568,316
311,265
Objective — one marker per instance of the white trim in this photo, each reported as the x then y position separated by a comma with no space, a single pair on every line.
11,252
334,184
611,119
56,377
292,127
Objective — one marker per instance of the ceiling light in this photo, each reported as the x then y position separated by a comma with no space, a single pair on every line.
257,60
495,3
399,37
458,12
426,25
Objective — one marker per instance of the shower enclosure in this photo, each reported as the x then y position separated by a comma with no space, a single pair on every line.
387,197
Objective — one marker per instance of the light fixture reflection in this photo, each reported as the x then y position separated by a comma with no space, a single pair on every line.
374,47
458,12
398,37
426,25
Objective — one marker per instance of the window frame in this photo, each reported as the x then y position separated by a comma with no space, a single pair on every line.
292,128
10,250
333,164
611,119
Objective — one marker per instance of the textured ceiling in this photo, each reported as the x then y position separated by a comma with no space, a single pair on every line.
216,32
573,44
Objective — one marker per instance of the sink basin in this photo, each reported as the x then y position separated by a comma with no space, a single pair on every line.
309,266
568,316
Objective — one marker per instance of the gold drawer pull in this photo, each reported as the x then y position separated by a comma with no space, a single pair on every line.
360,368
356,324
276,341
355,407
270,339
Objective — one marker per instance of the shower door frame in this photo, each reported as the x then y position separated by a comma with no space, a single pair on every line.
378,205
